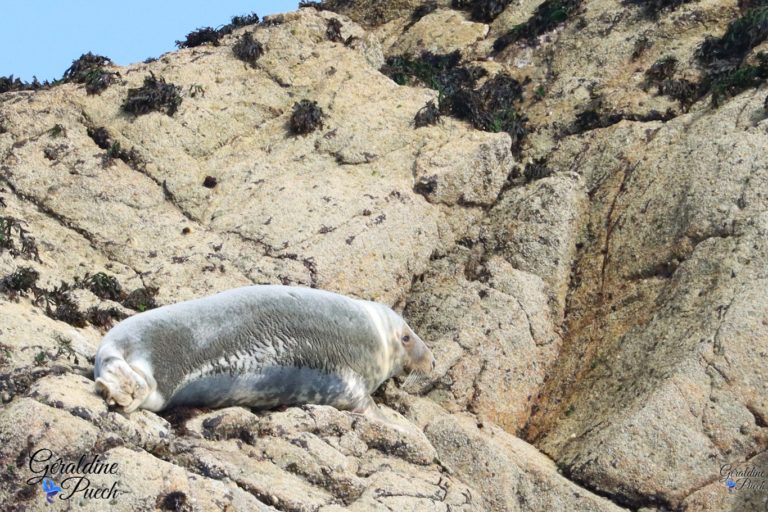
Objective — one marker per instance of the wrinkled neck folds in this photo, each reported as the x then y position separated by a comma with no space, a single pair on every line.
391,357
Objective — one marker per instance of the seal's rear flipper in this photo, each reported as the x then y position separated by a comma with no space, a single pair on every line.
121,385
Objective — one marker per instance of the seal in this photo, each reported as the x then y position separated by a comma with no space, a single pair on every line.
258,346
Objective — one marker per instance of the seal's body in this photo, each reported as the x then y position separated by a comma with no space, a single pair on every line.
258,346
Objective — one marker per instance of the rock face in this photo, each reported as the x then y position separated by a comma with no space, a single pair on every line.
595,296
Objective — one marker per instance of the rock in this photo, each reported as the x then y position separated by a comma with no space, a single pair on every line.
506,472
599,292
470,171
372,12
316,456
30,430
535,228
441,31
747,491
144,482
490,325
666,325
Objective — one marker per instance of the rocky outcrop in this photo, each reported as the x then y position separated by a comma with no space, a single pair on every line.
590,272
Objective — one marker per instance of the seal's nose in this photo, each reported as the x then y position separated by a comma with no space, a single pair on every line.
434,363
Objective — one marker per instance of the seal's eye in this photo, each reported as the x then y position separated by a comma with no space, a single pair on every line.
406,338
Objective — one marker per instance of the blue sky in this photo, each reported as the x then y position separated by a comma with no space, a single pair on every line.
43,37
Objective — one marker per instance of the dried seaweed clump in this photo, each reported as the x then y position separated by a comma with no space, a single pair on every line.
548,15
86,63
102,285
238,22
484,11
333,31
536,170
89,69
595,116
683,90
490,107
16,239
732,82
653,8
307,117
104,317
59,305
724,57
11,84
107,287
740,37
175,501
104,140
660,75
248,49
662,69
316,5
155,95
141,299
199,37
441,72
422,10
21,280
428,115
212,35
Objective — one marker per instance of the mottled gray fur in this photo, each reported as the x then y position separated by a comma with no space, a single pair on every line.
261,346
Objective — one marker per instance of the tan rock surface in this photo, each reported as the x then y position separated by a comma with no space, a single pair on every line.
611,312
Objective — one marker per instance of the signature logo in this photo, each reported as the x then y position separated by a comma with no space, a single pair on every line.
730,484
50,489
73,478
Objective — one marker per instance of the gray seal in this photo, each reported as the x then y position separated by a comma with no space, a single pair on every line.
258,346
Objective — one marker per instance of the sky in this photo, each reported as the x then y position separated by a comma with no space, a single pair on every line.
43,37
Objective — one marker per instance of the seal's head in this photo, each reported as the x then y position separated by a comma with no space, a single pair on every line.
408,353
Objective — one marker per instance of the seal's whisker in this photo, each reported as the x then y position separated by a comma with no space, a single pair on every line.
419,378
408,379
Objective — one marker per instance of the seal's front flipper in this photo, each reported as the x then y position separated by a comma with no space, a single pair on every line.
370,410
121,385
367,407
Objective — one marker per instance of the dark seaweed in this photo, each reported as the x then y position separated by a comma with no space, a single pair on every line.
199,37
21,280
662,69
536,170
731,82
548,15
82,66
102,285
489,108
429,114
484,11
333,31
653,8
155,95
11,229
59,305
11,84
141,299
248,49
422,10
740,37
239,22
306,117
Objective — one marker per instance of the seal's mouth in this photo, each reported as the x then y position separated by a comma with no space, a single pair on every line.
415,378
420,372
